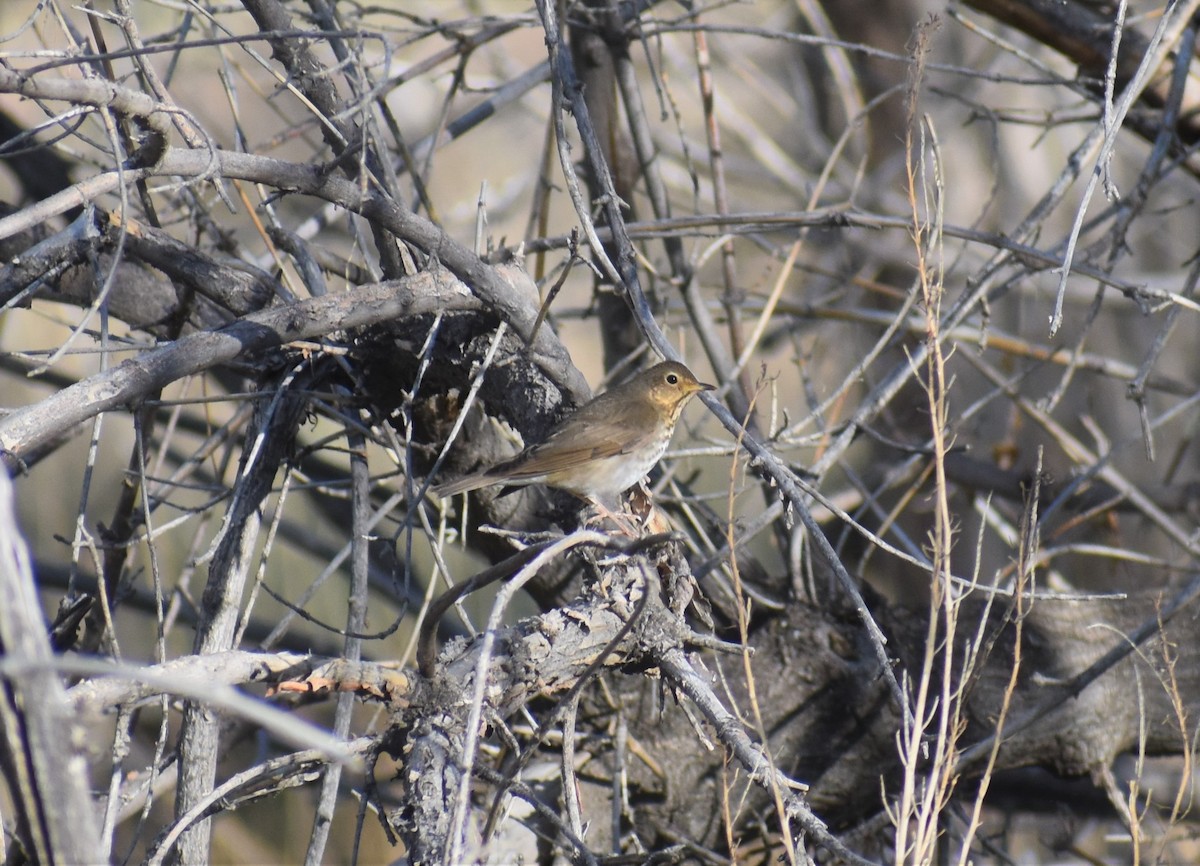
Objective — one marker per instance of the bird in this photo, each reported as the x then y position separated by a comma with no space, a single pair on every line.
604,448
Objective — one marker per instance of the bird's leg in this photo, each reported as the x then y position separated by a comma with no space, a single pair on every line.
624,522
641,505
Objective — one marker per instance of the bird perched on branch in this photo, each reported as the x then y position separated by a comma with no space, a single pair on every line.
604,448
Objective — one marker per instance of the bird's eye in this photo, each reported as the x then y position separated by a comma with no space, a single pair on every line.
672,379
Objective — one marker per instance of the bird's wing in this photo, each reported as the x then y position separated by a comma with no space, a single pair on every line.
533,463
560,452
586,435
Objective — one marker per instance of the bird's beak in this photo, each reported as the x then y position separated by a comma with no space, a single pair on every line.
704,386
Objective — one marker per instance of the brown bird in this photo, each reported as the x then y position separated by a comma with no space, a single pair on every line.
604,448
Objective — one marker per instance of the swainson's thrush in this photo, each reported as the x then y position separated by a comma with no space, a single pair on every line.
604,448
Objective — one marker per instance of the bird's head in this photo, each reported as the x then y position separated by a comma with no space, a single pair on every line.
669,385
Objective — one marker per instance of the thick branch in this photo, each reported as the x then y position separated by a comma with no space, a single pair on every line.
28,428
43,772
487,282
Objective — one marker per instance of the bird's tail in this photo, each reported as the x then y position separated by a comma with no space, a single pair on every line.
462,485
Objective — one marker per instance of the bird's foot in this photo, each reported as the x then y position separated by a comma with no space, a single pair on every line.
625,522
